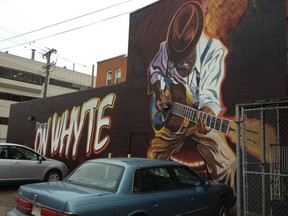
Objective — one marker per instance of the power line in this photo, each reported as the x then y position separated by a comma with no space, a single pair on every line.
59,23
82,65
63,32
69,30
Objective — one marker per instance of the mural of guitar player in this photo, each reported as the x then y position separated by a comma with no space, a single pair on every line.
184,80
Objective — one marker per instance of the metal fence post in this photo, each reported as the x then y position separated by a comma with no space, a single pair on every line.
238,157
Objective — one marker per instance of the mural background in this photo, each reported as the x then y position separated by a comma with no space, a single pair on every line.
256,63
254,34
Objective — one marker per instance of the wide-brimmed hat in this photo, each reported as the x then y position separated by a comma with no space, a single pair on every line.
184,31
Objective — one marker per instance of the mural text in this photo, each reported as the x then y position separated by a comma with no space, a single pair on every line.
64,132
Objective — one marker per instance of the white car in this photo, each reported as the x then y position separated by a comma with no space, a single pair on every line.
21,163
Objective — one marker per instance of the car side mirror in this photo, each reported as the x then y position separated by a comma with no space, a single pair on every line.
206,183
40,159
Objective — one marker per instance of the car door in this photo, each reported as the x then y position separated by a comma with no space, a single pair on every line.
25,164
161,194
199,201
5,164
198,197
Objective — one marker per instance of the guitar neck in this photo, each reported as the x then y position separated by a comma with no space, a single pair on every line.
213,122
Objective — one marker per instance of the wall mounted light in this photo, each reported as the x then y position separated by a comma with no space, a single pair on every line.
31,118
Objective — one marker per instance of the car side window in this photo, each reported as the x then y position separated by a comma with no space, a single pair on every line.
3,152
186,177
137,182
20,153
157,179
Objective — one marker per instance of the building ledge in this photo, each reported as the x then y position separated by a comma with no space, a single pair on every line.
16,85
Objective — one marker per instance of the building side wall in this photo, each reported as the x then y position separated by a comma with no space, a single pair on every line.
36,67
111,65
14,89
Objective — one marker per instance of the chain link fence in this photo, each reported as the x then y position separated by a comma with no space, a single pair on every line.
262,151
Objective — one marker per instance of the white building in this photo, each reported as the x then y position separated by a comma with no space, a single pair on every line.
23,79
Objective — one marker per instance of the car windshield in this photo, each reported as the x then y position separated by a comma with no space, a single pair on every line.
99,175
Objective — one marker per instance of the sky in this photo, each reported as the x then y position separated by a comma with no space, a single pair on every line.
83,32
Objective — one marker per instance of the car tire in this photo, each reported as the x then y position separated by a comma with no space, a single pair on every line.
221,208
53,175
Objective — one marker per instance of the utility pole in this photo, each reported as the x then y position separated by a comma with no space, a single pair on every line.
92,79
47,67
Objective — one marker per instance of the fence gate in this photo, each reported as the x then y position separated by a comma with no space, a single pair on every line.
263,155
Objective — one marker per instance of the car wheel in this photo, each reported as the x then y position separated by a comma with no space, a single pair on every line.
221,209
53,175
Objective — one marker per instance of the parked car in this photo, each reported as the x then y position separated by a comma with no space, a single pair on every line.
126,186
21,163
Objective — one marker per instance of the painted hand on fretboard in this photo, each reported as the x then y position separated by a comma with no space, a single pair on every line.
202,128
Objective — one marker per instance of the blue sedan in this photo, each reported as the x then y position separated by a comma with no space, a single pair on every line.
126,186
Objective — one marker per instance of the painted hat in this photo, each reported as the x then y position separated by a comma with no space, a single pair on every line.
184,30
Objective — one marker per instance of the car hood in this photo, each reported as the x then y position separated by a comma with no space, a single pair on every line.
56,195
50,160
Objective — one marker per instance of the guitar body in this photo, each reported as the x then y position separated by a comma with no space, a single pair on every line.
164,118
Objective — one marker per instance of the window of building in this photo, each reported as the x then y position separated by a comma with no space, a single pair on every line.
17,75
36,79
109,78
118,75
6,73
3,121
28,78
13,97
16,98
76,86
20,76
4,96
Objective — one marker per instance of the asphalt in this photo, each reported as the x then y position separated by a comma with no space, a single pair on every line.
7,197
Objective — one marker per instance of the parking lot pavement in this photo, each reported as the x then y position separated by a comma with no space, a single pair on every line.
8,193
7,197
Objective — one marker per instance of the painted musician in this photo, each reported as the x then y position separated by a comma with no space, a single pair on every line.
189,68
